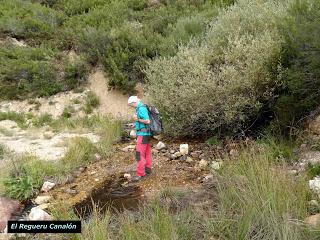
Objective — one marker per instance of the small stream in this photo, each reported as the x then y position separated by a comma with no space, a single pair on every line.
116,195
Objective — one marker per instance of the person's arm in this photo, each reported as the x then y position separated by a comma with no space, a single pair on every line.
144,116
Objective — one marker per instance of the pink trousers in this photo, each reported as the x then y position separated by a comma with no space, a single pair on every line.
143,155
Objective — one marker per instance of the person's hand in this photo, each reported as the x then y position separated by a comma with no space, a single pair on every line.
135,118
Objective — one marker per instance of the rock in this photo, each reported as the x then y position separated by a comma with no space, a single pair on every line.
127,176
183,158
189,160
42,199
37,214
313,220
208,177
133,134
128,148
71,191
203,164
233,153
313,203
303,146
315,184
97,156
216,165
8,207
154,151
172,151
8,124
312,157
202,156
48,135
172,157
195,154
184,149
177,155
164,151
47,186
160,146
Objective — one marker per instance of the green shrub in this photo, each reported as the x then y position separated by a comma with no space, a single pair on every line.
27,72
80,152
42,120
301,56
224,80
92,101
26,176
19,118
24,19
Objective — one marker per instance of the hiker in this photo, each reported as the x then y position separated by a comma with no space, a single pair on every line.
143,147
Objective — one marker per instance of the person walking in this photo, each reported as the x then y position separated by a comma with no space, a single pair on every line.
143,147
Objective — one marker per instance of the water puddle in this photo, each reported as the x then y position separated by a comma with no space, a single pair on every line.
115,194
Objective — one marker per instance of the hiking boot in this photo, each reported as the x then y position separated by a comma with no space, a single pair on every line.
148,171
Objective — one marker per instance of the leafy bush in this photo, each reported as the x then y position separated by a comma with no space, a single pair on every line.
31,72
24,19
92,101
224,80
301,56
26,176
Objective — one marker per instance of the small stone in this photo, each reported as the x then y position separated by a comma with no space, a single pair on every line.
48,135
233,153
189,160
172,157
164,151
133,134
202,156
216,165
172,151
127,176
184,149
128,148
42,199
208,177
315,184
194,154
97,156
93,172
203,164
160,146
97,179
47,186
313,220
71,191
81,169
154,151
37,214
303,146
183,158
177,154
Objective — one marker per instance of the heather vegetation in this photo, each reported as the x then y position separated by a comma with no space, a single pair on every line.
255,57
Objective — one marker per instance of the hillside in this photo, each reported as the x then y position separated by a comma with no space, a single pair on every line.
236,83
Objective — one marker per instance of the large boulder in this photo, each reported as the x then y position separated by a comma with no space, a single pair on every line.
8,207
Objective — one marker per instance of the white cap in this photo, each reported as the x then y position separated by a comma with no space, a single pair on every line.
133,99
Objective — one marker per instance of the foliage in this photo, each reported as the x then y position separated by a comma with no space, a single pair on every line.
259,200
223,80
301,57
30,72
23,19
